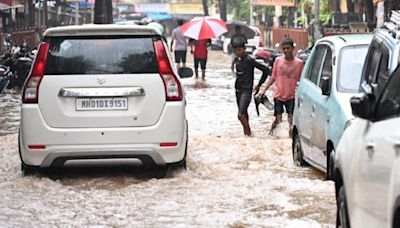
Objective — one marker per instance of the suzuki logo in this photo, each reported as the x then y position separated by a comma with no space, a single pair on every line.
101,81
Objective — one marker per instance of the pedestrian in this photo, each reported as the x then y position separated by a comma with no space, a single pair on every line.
180,45
245,81
236,38
285,75
200,55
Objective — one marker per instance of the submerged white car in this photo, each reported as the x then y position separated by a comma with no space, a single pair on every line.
367,163
102,94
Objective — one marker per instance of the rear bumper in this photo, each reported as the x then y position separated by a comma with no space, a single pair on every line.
65,146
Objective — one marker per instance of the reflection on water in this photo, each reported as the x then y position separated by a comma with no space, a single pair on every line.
231,181
9,111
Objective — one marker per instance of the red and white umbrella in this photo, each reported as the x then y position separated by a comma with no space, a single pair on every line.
200,28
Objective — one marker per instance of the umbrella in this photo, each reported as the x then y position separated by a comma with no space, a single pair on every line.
245,29
200,28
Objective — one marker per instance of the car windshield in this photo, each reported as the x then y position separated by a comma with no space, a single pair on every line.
100,55
351,61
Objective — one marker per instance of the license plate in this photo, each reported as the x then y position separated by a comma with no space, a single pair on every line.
249,49
97,104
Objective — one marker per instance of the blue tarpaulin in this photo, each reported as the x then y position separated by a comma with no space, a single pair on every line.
159,16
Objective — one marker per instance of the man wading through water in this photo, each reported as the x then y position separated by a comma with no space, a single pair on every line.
244,82
285,74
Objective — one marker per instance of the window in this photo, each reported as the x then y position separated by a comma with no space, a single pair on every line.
389,104
327,68
373,67
350,63
100,55
316,66
383,72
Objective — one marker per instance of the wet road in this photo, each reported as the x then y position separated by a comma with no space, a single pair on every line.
231,181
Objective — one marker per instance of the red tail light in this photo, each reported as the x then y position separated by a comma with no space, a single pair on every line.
173,90
31,88
37,147
168,144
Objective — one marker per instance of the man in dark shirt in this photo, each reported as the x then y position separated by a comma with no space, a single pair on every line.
244,82
236,38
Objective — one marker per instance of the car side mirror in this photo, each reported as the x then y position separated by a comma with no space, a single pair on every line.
185,72
326,86
362,106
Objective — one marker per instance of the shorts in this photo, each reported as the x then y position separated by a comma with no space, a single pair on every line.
278,106
180,56
203,63
243,99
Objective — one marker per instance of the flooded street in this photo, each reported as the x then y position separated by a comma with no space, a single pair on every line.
231,180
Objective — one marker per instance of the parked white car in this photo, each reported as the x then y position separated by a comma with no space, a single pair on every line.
367,167
103,94
255,42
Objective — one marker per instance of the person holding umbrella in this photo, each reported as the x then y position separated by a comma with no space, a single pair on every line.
200,56
244,81
201,30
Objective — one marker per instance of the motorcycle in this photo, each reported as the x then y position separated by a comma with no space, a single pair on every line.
304,53
5,75
19,60
267,55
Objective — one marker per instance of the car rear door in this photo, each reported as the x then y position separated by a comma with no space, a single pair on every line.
101,81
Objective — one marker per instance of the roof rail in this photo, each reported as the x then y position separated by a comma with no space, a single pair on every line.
394,24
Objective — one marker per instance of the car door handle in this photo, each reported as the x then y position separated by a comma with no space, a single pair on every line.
301,98
313,110
396,145
370,146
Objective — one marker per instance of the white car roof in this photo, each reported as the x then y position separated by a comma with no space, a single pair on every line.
101,29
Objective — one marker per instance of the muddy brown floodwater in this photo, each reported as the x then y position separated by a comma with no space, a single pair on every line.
231,180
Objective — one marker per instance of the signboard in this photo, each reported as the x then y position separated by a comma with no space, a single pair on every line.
190,8
273,2
151,8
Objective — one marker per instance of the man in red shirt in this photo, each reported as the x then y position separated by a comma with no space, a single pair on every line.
200,56
285,74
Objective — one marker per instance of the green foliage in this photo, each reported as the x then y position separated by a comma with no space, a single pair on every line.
240,9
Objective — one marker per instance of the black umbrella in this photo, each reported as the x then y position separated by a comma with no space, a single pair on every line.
245,29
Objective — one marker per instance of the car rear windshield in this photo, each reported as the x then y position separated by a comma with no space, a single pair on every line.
100,55
350,64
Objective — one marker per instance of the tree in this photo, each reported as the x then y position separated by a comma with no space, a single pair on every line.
222,9
205,7
240,9
334,5
46,15
350,6
31,13
103,12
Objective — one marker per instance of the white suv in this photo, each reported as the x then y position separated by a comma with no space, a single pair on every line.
102,94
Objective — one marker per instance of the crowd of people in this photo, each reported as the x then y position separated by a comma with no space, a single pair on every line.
284,76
